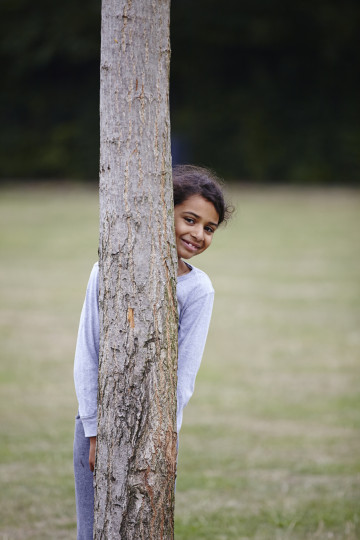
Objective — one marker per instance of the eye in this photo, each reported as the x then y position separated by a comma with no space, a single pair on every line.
189,220
209,230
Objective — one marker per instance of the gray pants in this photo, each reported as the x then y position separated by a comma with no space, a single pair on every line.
84,490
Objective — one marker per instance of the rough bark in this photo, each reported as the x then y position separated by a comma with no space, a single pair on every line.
136,442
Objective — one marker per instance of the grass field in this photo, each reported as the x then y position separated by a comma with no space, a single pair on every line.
270,445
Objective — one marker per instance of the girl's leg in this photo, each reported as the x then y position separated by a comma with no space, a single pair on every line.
84,491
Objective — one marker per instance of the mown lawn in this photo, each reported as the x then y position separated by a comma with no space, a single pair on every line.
270,445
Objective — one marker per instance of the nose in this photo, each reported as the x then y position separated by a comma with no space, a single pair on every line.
198,232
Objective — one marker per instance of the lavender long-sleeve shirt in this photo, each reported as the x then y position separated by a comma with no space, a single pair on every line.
195,296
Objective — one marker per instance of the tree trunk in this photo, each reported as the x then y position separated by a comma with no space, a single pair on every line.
136,442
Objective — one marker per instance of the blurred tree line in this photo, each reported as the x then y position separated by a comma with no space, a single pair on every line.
262,91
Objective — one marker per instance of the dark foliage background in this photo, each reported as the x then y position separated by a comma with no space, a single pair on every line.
262,91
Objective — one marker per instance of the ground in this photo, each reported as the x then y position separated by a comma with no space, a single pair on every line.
269,447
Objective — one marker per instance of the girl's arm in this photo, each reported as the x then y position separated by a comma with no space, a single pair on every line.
87,357
193,329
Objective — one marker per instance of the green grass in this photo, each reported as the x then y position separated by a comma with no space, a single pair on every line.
270,443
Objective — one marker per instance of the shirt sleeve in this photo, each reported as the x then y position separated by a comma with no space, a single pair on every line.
193,329
87,356
194,323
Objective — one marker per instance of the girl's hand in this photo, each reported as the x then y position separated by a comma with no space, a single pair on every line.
92,453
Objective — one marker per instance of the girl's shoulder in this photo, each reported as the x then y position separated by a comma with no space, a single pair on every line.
95,270
194,285
94,276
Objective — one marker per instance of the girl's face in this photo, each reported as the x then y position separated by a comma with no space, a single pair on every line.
196,220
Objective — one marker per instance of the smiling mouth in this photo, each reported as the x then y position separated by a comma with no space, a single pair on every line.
190,246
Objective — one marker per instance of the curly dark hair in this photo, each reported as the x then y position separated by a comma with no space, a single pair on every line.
189,180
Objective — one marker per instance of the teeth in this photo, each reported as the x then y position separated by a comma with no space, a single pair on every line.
190,244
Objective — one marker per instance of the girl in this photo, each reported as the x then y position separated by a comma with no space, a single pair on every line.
199,209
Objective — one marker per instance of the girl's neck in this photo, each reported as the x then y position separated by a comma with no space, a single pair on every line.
182,268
